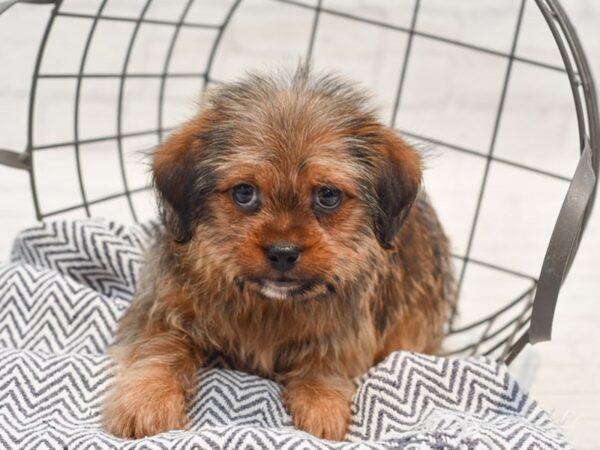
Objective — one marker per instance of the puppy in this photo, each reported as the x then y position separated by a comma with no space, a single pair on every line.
296,243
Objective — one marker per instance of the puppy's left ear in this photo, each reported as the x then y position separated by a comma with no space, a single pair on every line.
397,184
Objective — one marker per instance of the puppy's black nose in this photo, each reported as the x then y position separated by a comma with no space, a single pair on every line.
282,257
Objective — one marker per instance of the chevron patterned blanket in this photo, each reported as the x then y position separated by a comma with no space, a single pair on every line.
67,284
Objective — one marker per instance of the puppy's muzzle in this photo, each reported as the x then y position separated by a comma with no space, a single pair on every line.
282,256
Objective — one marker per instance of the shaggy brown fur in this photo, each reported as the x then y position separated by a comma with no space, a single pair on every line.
371,277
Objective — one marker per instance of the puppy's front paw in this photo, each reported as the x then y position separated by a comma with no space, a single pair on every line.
320,408
144,404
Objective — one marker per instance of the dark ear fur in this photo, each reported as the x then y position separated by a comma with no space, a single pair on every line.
181,180
396,186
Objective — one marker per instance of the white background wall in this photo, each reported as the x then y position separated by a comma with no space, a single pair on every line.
450,94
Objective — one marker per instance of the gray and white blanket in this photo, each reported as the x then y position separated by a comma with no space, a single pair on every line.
67,284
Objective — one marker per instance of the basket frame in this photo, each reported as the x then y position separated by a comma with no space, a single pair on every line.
576,208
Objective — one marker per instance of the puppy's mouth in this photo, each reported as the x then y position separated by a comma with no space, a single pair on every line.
284,288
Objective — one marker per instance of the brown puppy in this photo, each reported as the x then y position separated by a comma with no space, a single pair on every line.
290,246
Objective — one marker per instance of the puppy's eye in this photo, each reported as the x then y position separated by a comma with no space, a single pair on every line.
245,196
328,198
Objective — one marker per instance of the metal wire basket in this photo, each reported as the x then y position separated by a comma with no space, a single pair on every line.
501,331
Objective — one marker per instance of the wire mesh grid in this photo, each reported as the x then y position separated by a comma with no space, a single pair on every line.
194,30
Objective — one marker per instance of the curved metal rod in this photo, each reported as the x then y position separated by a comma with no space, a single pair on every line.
163,75
586,83
562,248
5,5
495,314
217,42
313,32
577,204
559,34
11,158
132,40
404,71
76,140
517,347
483,189
16,160
31,112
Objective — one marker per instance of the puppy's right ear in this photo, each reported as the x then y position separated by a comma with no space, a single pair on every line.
181,180
397,185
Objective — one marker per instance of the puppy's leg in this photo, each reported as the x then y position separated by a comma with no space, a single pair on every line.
321,405
154,382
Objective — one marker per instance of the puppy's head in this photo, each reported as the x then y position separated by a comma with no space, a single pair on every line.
287,185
